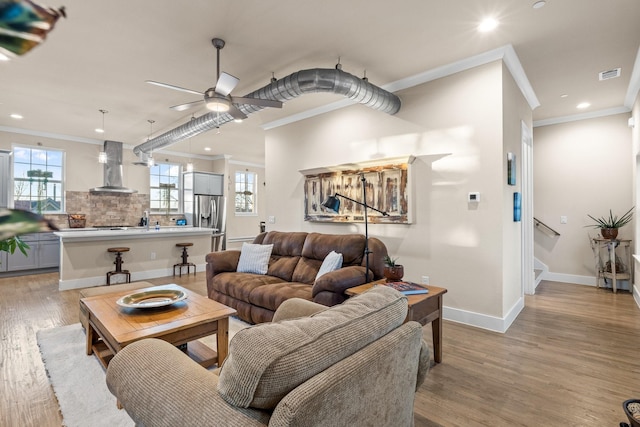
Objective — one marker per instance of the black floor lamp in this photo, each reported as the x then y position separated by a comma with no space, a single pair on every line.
333,204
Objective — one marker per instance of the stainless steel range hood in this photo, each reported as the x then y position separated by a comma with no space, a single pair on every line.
113,170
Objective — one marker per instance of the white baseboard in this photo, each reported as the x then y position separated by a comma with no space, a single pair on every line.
579,280
484,321
89,282
569,278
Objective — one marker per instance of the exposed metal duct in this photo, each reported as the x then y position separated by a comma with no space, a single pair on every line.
285,89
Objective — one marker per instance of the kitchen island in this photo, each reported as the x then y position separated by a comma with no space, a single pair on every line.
84,260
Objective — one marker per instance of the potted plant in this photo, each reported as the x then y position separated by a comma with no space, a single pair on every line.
11,244
609,225
392,270
14,222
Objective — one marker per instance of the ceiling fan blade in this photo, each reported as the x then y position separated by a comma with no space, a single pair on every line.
225,84
186,106
168,86
257,101
236,113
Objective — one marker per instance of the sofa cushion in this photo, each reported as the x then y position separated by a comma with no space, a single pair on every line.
317,246
267,361
283,266
306,270
254,258
270,296
331,262
285,243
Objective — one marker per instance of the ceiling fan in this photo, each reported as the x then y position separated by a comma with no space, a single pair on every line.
218,98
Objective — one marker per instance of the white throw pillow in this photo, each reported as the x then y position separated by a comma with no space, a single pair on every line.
332,261
254,258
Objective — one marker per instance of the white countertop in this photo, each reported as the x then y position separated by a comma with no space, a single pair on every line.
79,234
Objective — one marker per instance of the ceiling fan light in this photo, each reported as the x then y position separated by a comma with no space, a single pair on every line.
217,105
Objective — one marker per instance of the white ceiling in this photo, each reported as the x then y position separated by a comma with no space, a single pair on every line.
101,55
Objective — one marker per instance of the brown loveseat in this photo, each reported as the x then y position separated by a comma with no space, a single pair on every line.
295,260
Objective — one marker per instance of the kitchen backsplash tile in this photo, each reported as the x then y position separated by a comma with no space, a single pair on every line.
109,209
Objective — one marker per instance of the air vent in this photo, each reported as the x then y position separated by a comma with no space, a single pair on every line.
609,74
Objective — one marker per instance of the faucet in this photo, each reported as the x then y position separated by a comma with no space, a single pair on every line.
146,220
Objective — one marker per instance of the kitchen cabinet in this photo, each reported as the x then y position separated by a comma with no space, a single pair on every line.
49,251
43,252
211,184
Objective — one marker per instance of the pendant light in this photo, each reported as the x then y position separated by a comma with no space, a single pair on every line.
101,130
150,162
190,163
102,156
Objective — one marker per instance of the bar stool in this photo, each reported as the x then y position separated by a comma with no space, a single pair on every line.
184,262
118,262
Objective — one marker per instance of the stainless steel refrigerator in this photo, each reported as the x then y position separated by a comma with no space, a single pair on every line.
204,203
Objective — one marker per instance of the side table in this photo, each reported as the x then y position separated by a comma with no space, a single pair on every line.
613,261
423,308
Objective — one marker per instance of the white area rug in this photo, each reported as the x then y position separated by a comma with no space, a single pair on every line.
78,380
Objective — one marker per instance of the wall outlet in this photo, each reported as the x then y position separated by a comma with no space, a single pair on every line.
153,255
425,280
563,219
272,220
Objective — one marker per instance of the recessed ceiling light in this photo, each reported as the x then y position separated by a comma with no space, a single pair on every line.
237,120
207,148
99,130
487,25
16,116
583,105
539,4
564,95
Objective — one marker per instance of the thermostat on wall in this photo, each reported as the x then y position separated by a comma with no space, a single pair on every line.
474,196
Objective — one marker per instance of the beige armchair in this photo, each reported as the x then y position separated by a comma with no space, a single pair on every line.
351,364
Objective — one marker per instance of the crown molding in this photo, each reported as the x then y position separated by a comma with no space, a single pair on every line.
634,84
582,116
51,135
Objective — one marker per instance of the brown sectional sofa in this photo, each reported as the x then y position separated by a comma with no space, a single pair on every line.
295,260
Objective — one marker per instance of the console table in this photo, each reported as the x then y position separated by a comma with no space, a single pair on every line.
613,261
423,308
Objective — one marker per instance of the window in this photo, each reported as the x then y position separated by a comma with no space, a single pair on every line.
246,193
37,179
165,188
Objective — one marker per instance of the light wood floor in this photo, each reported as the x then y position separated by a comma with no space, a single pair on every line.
569,359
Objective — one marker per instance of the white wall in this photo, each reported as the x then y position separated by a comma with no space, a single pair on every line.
455,127
635,138
581,168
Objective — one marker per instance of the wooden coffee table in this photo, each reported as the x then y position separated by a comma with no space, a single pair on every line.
423,308
111,327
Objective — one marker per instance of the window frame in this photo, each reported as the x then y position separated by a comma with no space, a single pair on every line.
254,194
178,188
32,167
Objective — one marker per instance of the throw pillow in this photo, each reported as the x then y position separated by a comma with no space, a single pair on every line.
254,258
267,361
332,261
